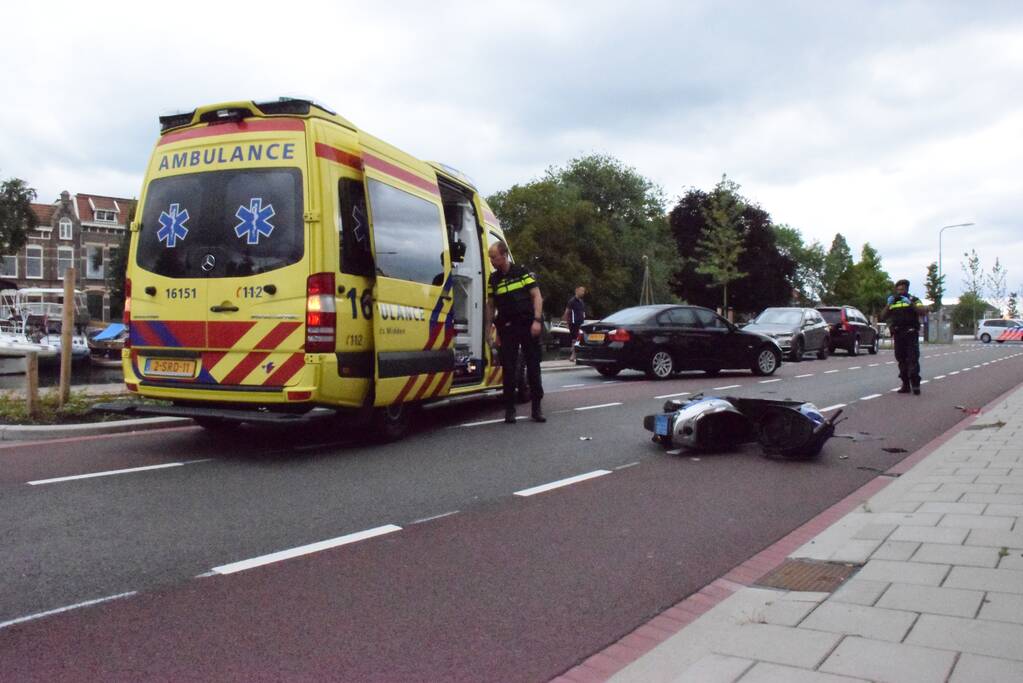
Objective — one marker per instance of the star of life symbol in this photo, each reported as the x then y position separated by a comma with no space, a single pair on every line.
255,220
172,226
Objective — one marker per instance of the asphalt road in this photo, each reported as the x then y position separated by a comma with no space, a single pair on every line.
459,577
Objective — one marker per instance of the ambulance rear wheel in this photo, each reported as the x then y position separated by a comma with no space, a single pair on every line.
392,422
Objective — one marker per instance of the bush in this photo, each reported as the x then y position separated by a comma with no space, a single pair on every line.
14,409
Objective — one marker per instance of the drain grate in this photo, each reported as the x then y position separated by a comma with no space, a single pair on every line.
808,575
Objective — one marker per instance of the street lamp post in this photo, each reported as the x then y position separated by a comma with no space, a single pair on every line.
940,283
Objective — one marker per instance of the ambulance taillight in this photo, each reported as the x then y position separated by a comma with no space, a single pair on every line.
320,314
127,312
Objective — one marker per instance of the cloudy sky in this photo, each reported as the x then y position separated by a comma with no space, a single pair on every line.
880,120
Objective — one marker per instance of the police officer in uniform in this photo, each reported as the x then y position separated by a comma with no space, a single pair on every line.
903,315
515,294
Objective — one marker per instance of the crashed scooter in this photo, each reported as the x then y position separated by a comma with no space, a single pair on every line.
790,429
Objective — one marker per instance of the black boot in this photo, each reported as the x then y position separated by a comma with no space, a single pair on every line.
509,415
904,389
537,413
916,389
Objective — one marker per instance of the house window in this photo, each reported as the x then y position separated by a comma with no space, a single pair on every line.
65,228
108,216
94,261
34,262
65,260
9,266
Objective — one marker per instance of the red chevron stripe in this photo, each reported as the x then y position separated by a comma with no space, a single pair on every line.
445,378
191,333
211,358
282,374
435,329
146,335
224,335
405,389
426,383
248,364
277,335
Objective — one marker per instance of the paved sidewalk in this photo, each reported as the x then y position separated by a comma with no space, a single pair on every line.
937,595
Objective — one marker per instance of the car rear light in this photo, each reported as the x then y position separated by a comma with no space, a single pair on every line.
127,311
320,314
619,335
845,322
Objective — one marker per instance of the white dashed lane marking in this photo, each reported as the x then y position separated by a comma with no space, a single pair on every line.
768,381
834,407
810,374
870,397
727,386
681,393
561,482
77,605
305,549
601,405
828,372
110,473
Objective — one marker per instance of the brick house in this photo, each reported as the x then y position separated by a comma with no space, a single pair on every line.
82,230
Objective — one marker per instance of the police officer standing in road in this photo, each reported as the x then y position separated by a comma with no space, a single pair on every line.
903,315
515,294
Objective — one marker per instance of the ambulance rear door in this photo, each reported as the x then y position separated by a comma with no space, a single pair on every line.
412,293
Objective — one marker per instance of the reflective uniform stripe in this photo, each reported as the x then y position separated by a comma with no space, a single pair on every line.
506,287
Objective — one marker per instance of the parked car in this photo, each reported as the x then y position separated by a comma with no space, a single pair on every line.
850,329
558,336
797,331
662,340
992,328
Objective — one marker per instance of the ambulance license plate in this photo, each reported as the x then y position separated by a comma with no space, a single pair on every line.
166,367
662,424
596,337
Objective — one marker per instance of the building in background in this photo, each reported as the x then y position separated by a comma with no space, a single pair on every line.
83,231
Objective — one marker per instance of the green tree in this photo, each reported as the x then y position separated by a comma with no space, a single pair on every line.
995,281
973,279
836,262
721,245
934,287
632,207
16,217
1013,306
966,313
871,283
809,261
589,223
770,273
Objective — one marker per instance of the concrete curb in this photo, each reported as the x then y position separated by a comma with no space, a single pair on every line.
41,432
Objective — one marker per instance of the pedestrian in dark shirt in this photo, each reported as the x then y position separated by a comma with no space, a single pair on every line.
515,295
574,315
903,315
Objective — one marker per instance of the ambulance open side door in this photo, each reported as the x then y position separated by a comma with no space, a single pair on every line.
412,298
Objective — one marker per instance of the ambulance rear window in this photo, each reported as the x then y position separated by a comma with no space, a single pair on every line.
222,223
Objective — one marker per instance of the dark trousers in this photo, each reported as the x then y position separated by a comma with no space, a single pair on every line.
907,353
514,338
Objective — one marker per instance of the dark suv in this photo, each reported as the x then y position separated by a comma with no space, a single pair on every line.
850,329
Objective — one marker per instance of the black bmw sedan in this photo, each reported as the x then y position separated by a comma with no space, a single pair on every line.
662,340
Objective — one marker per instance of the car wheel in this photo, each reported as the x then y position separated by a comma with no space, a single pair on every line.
986,338
796,354
872,349
661,365
823,352
391,423
767,361
609,370
854,348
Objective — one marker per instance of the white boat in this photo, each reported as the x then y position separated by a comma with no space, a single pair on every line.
14,349
33,317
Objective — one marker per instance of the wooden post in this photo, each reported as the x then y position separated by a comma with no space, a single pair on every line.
66,328
32,384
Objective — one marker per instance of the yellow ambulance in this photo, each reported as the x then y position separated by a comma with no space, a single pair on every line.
284,260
